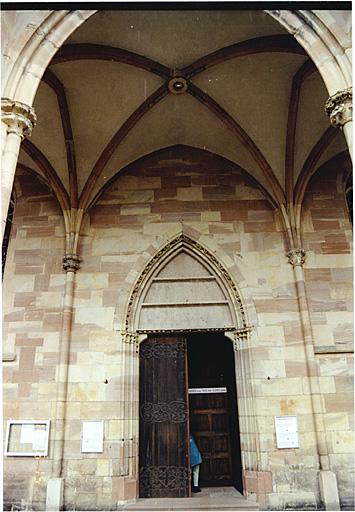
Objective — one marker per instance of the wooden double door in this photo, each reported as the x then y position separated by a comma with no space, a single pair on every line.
169,367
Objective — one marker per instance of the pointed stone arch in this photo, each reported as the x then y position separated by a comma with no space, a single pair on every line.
179,266
165,265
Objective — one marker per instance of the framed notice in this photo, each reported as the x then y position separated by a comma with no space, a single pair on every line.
27,438
287,432
92,436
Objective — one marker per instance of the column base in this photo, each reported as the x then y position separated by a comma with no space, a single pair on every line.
258,484
124,489
329,490
54,497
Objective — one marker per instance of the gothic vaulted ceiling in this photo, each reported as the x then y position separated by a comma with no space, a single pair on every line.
127,83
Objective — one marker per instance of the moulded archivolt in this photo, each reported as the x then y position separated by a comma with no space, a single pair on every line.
234,319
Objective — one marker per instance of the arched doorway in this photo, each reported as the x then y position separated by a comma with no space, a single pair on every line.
185,302
187,386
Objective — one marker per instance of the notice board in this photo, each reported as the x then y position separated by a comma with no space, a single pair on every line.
27,438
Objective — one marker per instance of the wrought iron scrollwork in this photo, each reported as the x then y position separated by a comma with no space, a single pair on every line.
173,412
162,350
159,478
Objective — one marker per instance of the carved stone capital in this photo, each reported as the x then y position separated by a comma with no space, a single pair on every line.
339,107
241,336
130,337
296,257
19,117
71,263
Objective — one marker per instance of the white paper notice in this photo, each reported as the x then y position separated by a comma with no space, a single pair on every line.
287,432
197,391
92,437
27,433
39,441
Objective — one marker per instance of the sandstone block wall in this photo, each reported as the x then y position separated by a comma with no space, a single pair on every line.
33,288
327,239
180,190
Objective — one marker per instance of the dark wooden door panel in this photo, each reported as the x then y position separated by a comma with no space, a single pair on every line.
163,448
210,425
214,420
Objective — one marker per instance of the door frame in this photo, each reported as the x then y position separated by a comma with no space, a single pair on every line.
186,334
233,417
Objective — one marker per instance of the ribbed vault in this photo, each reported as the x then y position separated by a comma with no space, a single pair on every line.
252,95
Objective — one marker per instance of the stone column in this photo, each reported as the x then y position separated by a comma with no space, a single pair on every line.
340,111
296,258
130,397
245,396
55,485
18,120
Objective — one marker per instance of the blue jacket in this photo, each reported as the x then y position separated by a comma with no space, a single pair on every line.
195,455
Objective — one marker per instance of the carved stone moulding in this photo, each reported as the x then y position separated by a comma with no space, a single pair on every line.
71,262
339,107
242,334
19,117
129,337
296,257
239,338
183,331
189,242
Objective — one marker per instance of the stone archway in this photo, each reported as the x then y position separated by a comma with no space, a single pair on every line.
317,32
164,267
329,47
27,57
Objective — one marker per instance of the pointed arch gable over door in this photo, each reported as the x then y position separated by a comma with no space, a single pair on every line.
175,263
184,287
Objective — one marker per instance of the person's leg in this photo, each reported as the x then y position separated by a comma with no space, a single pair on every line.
195,475
196,472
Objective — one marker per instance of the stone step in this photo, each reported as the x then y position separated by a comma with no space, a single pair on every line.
202,507
220,498
145,505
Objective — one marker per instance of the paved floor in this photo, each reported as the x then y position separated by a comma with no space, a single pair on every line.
210,498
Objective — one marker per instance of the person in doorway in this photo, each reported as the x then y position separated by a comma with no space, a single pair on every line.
195,461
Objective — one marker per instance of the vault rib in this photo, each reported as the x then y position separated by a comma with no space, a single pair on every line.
43,163
309,165
89,51
56,85
303,72
242,135
112,145
281,43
